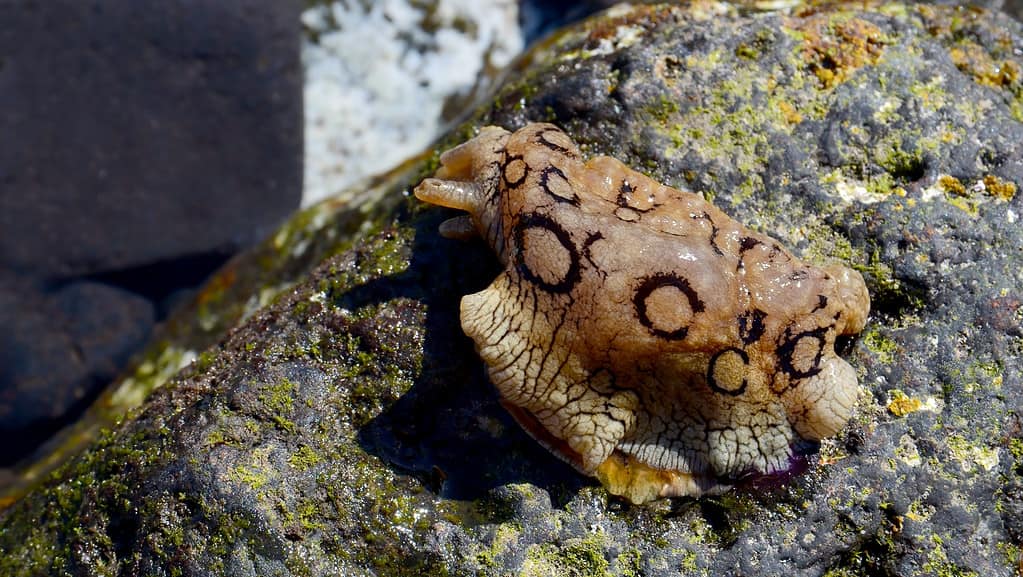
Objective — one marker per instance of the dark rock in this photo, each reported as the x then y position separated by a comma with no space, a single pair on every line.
145,130
541,17
347,427
145,142
57,350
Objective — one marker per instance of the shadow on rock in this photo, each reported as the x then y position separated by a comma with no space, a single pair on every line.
449,429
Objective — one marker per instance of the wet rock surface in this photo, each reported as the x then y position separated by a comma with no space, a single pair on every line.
347,427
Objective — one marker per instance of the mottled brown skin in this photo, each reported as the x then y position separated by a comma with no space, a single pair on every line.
637,331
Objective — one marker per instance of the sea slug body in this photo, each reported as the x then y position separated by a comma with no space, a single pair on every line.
637,331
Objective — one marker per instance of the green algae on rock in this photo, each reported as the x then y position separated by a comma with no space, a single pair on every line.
395,458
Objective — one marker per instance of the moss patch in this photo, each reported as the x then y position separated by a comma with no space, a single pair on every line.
574,558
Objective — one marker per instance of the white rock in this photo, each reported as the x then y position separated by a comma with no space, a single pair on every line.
378,75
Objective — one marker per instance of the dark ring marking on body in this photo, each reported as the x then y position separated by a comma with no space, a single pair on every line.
751,326
652,283
712,382
588,250
545,183
623,191
777,251
504,171
622,200
541,139
713,240
788,348
822,303
714,230
747,243
542,221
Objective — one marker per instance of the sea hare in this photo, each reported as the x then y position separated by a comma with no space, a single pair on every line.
637,331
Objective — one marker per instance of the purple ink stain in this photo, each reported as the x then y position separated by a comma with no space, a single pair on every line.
799,463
